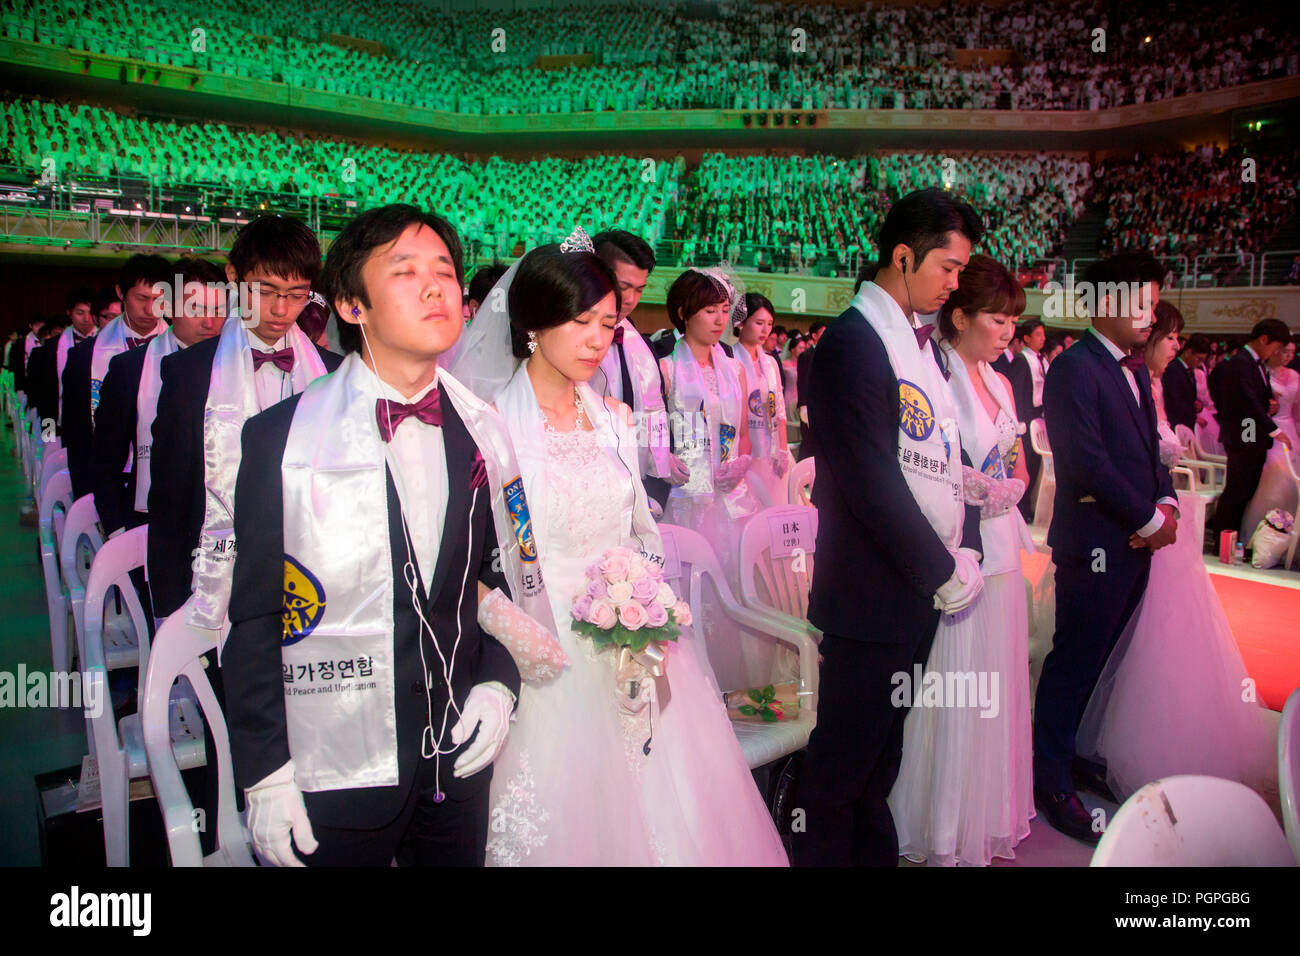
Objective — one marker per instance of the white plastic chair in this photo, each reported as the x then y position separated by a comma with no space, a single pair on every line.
176,653
1288,760
118,747
77,546
779,586
54,457
56,499
802,476
1205,452
1046,491
1210,475
761,742
31,448
1191,820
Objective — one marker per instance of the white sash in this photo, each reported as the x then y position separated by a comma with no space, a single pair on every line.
523,417
111,341
232,400
760,403
1002,537
648,402
929,446
60,363
696,439
29,343
146,410
338,573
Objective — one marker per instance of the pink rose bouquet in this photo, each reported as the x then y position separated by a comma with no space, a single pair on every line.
627,603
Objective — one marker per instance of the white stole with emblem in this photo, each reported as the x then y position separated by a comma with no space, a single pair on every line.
929,446
232,400
146,410
110,341
647,402
760,403
338,578
705,444
61,349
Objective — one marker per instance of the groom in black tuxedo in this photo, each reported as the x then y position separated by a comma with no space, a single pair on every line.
880,562
1115,505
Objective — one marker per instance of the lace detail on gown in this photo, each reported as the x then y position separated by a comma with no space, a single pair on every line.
516,826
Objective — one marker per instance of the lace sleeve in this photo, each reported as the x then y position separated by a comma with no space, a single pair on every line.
536,651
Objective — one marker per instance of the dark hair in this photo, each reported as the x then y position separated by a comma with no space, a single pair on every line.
1168,321
554,287
985,285
618,245
352,248
1127,267
278,245
690,292
1272,330
149,269
1199,343
193,269
922,220
816,327
484,279
77,296
104,299
867,273
755,301
778,329
1027,327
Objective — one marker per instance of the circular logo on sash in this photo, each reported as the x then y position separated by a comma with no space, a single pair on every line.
771,404
517,505
756,404
916,416
304,602
993,464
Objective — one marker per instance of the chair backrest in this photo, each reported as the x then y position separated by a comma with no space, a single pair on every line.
113,564
56,499
77,547
176,652
1288,760
1184,479
1038,437
54,457
1187,437
1191,820
802,476
776,559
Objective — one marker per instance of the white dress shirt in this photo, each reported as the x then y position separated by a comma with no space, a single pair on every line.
272,385
417,458
1158,519
1037,374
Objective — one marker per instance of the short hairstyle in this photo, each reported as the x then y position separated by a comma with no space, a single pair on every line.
194,269
1027,327
106,298
816,327
553,287
619,245
867,273
485,277
1199,343
149,269
278,245
690,292
1127,267
77,296
985,285
1168,321
352,248
1271,330
755,301
779,329
922,220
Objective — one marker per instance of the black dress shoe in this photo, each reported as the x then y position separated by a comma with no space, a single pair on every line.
1066,813
1092,780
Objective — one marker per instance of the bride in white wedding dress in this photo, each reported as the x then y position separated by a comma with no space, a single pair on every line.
581,781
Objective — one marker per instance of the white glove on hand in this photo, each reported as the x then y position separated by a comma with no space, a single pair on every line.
732,473
965,584
976,486
1002,498
678,473
276,810
537,652
488,707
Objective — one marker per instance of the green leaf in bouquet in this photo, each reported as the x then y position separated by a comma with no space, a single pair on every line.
769,694
769,716
747,709
754,695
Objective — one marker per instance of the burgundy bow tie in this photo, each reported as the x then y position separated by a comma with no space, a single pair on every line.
390,414
618,335
281,359
923,334
1132,362
132,342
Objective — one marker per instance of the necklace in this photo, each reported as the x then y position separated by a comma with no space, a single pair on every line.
577,424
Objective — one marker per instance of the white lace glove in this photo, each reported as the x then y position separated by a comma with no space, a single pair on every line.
965,584
678,473
1002,498
536,651
1170,452
732,473
780,462
276,810
488,707
976,486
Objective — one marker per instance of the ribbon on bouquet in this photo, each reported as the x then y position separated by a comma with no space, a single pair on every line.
643,672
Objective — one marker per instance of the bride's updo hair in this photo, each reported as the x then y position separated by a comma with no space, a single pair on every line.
985,285
553,287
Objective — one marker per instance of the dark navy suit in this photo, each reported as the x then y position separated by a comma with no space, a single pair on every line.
1108,481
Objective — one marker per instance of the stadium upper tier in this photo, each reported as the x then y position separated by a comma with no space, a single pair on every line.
1040,55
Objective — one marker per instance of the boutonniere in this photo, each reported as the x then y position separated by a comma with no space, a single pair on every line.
478,471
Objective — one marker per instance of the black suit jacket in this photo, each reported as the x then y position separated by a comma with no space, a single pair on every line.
1002,365
176,494
76,425
113,443
251,662
1243,396
16,363
871,533
42,383
1105,449
1022,387
1179,385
